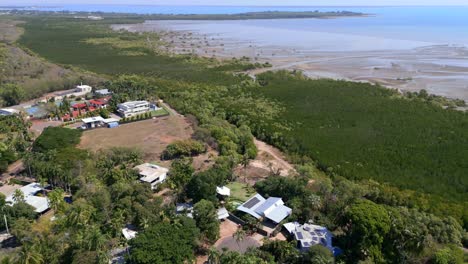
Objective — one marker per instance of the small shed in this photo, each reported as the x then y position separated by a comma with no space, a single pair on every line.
111,122
223,191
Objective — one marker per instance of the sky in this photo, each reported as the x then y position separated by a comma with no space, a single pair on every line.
242,2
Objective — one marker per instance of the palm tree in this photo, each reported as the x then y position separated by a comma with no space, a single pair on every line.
245,161
29,255
213,256
18,196
239,235
56,201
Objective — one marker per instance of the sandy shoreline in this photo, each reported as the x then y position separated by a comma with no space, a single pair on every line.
440,69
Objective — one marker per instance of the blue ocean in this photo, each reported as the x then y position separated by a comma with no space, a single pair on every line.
435,25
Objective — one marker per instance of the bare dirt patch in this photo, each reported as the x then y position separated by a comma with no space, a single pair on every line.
150,136
269,161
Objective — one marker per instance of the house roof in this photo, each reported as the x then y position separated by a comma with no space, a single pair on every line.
97,102
103,91
92,119
186,208
40,204
128,233
80,105
224,191
110,120
250,205
272,208
279,213
268,204
222,213
309,235
150,172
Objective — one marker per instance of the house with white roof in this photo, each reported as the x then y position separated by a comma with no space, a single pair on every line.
103,92
40,204
223,191
8,111
308,235
272,208
134,108
93,122
152,174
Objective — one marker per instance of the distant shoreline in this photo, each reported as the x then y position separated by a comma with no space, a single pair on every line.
407,70
161,16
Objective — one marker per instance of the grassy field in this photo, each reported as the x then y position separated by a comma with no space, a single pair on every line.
240,192
151,136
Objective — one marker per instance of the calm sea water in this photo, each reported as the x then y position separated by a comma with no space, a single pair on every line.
406,27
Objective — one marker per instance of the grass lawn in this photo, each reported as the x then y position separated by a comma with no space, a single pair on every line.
160,112
240,191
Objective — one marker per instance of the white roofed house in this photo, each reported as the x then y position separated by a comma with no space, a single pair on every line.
8,111
93,122
134,108
152,174
40,204
272,208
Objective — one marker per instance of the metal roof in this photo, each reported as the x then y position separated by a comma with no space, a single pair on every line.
250,205
224,191
268,204
150,172
222,213
272,208
40,204
92,119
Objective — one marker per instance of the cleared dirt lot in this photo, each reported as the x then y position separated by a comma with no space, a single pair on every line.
150,136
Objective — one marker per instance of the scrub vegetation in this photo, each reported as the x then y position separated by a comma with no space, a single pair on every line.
392,167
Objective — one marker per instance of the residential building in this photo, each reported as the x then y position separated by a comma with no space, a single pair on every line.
93,122
98,103
184,209
133,108
8,111
103,92
272,208
152,174
79,91
308,235
40,204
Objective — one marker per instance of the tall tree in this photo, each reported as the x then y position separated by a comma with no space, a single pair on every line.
206,217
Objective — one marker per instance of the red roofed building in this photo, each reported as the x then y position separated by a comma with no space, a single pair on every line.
79,106
98,103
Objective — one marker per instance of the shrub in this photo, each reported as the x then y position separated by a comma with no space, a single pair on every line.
183,148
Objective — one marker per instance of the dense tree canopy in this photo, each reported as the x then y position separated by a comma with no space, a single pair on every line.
165,243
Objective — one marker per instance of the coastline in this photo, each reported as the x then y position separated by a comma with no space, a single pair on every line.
439,69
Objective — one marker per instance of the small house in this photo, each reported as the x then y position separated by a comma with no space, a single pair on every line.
152,174
102,92
40,204
93,122
8,111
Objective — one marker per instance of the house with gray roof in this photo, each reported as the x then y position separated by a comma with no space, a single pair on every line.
308,235
272,208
